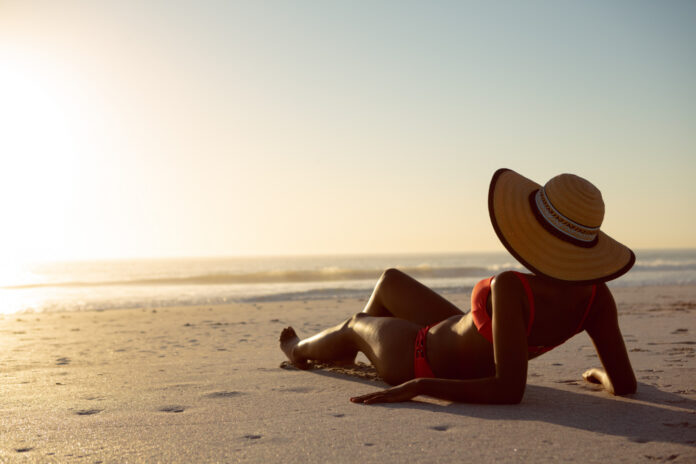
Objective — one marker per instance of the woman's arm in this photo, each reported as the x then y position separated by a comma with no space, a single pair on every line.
510,354
486,390
603,328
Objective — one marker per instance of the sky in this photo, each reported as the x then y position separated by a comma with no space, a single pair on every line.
207,128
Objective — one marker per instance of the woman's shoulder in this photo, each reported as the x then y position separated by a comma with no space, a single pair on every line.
543,288
507,276
604,298
558,292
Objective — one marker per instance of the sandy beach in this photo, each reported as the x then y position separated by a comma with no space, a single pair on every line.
203,384
181,181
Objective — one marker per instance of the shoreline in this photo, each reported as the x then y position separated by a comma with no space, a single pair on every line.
182,384
107,285
350,294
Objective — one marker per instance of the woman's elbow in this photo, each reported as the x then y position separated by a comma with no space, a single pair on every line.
628,388
509,393
512,398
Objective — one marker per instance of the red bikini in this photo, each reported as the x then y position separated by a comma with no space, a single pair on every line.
482,319
484,324
421,368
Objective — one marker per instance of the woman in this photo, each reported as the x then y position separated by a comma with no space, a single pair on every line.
424,345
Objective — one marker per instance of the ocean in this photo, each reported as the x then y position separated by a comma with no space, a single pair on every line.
152,283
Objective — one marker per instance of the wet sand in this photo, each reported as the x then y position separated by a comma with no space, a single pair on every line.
199,384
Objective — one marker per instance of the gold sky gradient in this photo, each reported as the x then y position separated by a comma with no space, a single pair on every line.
146,130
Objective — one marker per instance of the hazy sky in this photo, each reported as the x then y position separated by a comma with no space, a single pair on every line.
133,128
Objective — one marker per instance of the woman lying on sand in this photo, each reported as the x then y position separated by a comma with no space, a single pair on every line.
425,345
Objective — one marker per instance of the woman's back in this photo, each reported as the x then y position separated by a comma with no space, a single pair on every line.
560,310
461,347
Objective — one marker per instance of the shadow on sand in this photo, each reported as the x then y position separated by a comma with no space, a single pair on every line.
650,415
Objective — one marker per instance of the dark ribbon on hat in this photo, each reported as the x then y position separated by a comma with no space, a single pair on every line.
559,225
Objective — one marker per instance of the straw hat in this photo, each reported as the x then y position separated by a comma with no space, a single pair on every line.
554,230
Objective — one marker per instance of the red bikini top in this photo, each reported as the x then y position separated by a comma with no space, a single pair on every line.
482,320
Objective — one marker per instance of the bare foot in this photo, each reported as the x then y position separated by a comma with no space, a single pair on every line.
288,342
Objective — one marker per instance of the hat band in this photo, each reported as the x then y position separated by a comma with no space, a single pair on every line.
559,225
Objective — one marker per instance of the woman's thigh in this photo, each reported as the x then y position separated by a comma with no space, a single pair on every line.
399,295
388,343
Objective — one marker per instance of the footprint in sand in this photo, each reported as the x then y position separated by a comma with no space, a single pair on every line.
671,457
172,409
440,428
568,381
88,412
686,425
295,389
223,394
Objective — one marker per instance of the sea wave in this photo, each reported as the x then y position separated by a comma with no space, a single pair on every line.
325,274
274,276
664,265
335,293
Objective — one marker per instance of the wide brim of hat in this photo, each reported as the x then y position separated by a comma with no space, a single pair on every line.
544,253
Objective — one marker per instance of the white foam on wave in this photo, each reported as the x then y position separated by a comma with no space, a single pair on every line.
189,282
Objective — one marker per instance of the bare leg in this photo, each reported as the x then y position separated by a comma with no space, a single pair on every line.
399,295
387,342
288,342
332,344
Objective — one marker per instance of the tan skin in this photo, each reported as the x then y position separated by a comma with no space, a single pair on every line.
468,367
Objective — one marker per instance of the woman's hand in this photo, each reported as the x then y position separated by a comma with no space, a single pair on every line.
594,376
403,392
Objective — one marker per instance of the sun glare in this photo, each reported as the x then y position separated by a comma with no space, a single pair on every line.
39,145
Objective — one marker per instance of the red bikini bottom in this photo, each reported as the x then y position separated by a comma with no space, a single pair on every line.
421,368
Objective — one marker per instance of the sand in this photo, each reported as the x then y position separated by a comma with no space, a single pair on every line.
199,384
